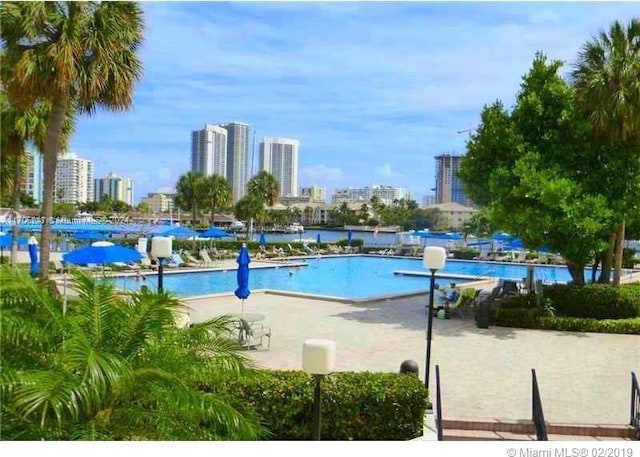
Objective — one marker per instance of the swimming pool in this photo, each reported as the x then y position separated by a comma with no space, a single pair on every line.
352,277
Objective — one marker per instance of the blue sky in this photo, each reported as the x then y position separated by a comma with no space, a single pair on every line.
372,90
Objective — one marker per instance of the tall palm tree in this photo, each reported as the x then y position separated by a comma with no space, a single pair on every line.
20,127
265,187
218,193
79,53
606,79
111,367
191,193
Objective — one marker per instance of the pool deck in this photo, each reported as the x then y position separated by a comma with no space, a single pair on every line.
583,377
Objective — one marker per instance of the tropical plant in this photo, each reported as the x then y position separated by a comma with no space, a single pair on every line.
110,367
606,79
218,193
266,188
249,207
191,192
81,54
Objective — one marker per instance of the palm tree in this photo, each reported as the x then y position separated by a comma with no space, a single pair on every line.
112,367
191,193
265,187
249,207
218,193
69,53
19,127
606,79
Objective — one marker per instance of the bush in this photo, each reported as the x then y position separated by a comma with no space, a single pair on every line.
355,406
598,301
531,318
465,253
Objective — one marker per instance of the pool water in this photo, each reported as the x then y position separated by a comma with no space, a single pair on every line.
357,277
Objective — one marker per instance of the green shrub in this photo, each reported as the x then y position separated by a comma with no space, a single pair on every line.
532,318
598,301
355,406
465,253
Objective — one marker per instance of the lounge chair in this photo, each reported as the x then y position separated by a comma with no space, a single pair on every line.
465,303
59,267
252,335
205,256
191,261
294,252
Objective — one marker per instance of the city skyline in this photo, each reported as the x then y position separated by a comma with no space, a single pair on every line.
368,107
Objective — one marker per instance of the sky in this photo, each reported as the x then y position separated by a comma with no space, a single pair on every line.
372,90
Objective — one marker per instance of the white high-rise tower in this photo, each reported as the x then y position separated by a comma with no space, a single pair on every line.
279,157
74,179
209,151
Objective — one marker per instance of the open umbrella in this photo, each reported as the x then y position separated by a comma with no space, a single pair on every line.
33,256
101,254
503,236
181,232
243,260
214,232
263,240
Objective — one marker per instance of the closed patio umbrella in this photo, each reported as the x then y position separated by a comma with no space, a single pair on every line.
263,240
243,260
33,256
349,236
318,238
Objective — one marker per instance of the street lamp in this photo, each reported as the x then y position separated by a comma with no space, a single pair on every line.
318,359
160,249
434,258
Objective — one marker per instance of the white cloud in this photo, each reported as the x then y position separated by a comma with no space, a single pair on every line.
322,174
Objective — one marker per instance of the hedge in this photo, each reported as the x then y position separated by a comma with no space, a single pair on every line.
532,318
598,301
465,254
355,406
235,245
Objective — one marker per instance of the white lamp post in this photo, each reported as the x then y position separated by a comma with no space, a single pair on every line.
160,249
434,258
318,359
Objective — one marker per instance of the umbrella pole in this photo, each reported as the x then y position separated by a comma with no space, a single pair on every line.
242,310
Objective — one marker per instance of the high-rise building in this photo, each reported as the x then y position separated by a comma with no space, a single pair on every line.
428,200
209,151
32,182
237,158
74,179
279,157
449,187
314,193
118,188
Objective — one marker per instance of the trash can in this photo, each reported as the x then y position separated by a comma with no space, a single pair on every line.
482,315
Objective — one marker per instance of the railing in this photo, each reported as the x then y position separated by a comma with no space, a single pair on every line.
438,404
537,413
635,405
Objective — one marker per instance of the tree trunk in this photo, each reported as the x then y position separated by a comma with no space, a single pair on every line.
607,260
213,210
15,206
577,272
194,211
50,160
617,272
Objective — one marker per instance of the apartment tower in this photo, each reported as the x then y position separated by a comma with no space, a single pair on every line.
449,187
209,151
279,157
118,188
74,179
237,158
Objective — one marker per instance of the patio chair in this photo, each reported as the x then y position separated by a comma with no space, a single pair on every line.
252,335
191,261
205,256
466,303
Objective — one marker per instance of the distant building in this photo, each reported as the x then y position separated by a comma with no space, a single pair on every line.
314,193
428,200
237,158
159,202
449,187
386,194
454,214
279,157
118,188
32,185
209,151
74,179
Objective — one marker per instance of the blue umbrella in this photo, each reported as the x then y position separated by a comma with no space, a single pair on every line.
243,260
349,236
515,244
263,240
101,255
33,257
503,236
91,236
6,239
180,232
318,238
214,232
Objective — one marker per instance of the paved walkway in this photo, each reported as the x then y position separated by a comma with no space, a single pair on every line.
583,377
